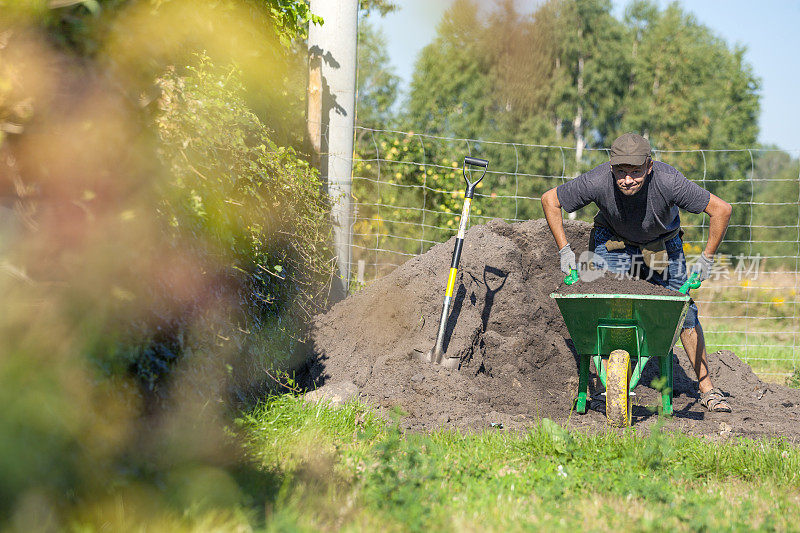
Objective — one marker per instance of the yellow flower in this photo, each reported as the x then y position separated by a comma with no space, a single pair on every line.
778,301
745,283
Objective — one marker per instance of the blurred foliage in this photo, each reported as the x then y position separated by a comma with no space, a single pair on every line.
83,25
161,251
238,200
138,39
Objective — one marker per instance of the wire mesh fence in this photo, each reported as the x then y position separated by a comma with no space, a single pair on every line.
408,189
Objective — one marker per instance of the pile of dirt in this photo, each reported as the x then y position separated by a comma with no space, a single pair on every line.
592,282
517,364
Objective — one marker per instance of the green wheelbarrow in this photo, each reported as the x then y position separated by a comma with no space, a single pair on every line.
623,331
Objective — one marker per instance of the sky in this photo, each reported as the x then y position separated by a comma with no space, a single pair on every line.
768,29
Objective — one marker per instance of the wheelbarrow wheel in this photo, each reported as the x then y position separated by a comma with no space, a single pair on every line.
618,378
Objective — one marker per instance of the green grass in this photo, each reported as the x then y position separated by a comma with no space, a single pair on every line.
794,379
767,307
774,362
348,470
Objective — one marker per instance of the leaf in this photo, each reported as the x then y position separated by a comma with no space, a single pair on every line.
560,437
92,5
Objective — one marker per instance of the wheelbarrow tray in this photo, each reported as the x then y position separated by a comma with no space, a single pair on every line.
643,325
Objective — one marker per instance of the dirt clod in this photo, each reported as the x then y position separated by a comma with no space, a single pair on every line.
517,364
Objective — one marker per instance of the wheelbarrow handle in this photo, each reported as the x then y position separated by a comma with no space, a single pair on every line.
572,277
474,161
691,283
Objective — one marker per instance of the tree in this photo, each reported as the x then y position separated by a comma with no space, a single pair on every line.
569,77
572,75
449,89
377,83
591,72
689,91
382,7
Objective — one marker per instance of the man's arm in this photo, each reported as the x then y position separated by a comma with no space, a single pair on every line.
719,212
552,212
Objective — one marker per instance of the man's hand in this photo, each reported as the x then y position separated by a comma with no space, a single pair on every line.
568,263
702,267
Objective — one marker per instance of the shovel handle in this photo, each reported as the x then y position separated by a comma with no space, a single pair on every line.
474,161
436,355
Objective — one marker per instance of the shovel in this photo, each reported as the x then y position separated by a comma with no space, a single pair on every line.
436,354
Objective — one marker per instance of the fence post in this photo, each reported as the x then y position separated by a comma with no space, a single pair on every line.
332,67
362,267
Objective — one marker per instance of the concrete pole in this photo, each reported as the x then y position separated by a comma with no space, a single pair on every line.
332,66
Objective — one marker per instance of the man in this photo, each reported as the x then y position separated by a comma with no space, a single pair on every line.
637,228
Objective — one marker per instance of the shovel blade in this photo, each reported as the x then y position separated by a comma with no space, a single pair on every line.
451,362
436,357
422,357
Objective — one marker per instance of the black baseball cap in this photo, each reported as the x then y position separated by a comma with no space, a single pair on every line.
630,149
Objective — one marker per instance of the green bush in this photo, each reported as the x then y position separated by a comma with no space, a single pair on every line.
252,213
160,254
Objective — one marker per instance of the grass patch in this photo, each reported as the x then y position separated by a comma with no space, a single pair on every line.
771,354
366,474
755,317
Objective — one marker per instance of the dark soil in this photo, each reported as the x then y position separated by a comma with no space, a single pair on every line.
612,284
517,364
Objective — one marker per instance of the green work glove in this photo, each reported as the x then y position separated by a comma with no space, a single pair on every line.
568,262
702,267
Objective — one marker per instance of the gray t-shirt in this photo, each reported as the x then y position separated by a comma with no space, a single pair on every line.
643,217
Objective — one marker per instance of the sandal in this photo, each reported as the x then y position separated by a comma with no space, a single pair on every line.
714,401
